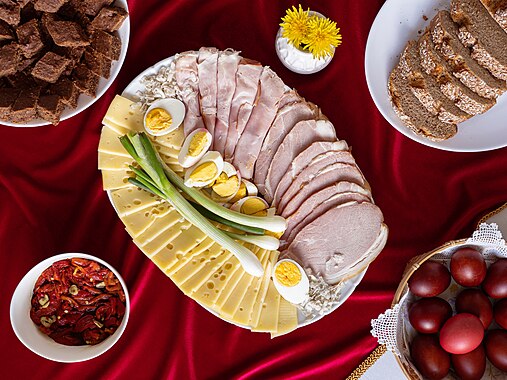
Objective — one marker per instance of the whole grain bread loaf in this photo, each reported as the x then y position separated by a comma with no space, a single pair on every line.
497,9
426,89
413,114
482,34
434,64
444,33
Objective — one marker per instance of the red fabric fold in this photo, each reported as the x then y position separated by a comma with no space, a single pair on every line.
51,201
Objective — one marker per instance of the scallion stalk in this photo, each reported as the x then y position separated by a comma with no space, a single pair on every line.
265,241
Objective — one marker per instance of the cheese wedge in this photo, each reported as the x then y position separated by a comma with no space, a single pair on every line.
168,152
153,240
122,113
287,318
173,140
131,199
137,223
197,255
261,295
113,162
115,179
268,321
110,143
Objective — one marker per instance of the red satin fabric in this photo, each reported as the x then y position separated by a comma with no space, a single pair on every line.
51,201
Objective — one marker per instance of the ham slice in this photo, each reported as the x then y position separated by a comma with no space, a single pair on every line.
288,97
228,61
337,240
325,177
271,89
287,117
298,139
207,63
293,226
313,169
302,161
243,101
187,79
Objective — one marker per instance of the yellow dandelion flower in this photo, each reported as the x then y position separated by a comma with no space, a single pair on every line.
322,36
295,25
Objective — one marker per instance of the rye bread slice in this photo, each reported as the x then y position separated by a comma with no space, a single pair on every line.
413,114
498,10
426,88
482,34
434,64
444,33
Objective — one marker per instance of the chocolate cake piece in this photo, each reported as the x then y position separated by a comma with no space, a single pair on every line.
24,108
106,44
6,33
109,19
23,3
50,67
30,38
51,6
9,59
67,33
7,98
21,80
50,108
74,55
10,12
67,91
97,62
93,7
85,80
24,63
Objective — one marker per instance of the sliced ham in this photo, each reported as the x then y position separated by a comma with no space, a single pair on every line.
302,161
243,101
313,169
294,226
187,79
207,63
297,140
337,240
228,61
325,177
287,117
271,89
288,97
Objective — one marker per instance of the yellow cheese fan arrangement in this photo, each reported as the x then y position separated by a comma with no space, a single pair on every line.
309,31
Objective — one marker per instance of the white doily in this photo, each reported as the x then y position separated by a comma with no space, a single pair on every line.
385,328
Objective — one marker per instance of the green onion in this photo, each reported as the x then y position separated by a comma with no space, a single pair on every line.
140,148
266,242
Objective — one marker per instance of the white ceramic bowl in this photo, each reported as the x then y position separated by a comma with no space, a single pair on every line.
86,101
29,334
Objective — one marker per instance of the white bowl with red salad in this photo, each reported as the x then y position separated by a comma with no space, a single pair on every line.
70,307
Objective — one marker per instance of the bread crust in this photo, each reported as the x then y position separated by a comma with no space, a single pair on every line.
498,10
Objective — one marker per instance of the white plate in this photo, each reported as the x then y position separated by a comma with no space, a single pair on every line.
86,101
348,286
396,23
29,334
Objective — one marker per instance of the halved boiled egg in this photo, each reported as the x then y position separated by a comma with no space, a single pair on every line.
251,205
164,116
291,281
205,171
227,184
246,188
195,146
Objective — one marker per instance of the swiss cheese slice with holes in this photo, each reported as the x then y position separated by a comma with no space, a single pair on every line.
268,321
137,223
199,253
261,295
160,228
110,143
123,113
116,179
170,153
172,140
114,162
154,244
131,199
287,318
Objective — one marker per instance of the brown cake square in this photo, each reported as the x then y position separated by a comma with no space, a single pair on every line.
67,33
10,12
6,33
50,108
67,91
109,19
50,67
85,80
7,98
9,59
24,108
98,63
50,6
106,44
29,38
92,7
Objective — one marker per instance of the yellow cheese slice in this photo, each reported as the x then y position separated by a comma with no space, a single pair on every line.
173,140
113,162
268,321
287,318
245,309
131,199
233,303
115,179
207,285
121,113
110,143
140,221
261,295
200,253
162,232
168,152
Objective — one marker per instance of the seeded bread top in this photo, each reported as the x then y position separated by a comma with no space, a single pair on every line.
497,9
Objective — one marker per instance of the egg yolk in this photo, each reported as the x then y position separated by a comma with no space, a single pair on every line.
253,206
197,144
158,119
240,194
288,274
225,186
204,172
